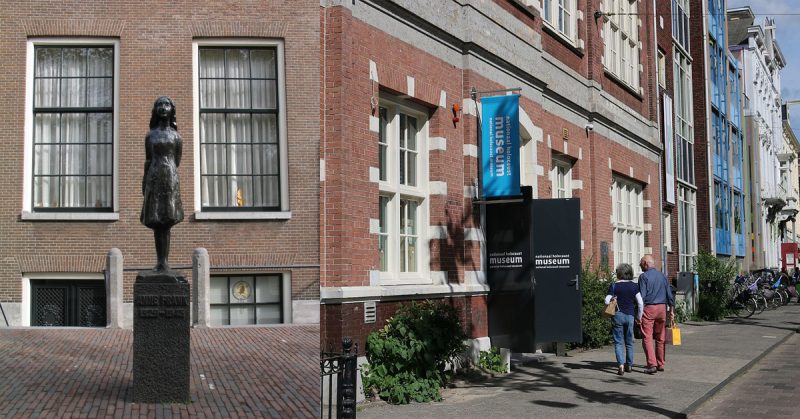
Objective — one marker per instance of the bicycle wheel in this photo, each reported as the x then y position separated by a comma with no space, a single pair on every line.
763,304
744,309
784,296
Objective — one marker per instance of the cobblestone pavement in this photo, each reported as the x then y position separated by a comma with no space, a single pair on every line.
87,373
767,389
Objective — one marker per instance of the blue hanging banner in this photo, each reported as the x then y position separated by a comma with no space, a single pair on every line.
500,146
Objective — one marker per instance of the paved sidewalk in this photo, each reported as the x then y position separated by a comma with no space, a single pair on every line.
87,373
768,389
586,385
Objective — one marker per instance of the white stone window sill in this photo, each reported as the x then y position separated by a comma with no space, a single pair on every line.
69,216
250,215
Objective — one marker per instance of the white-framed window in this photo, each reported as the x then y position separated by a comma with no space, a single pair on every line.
403,199
71,129
680,23
662,70
628,221
621,38
687,227
240,121
245,299
683,125
561,15
561,178
667,232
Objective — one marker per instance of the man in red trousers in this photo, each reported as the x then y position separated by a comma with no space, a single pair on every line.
658,302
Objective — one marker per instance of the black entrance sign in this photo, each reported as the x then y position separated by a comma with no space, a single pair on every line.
510,275
557,269
533,267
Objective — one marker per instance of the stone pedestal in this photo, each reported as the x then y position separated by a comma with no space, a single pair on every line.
161,338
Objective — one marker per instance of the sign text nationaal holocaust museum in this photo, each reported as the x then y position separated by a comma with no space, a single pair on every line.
500,146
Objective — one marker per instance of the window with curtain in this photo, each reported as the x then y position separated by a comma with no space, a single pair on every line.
621,39
403,194
239,137
684,130
246,299
628,222
73,135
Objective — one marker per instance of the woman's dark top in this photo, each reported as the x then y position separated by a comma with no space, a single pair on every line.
625,291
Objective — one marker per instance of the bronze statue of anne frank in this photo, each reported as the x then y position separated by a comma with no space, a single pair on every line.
162,207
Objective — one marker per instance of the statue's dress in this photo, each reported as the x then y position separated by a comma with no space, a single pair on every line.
162,207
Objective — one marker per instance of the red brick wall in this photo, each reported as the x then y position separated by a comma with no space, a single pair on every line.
155,44
701,129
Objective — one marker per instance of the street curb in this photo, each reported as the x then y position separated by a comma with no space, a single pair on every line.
716,389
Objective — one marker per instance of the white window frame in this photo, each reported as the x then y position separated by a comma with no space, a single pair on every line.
687,227
561,172
555,10
284,212
27,184
683,125
621,38
392,189
627,220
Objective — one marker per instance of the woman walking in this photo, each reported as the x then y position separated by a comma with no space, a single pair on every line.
629,304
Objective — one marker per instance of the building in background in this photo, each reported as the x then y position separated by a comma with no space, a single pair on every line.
717,137
770,153
78,84
676,93
399,210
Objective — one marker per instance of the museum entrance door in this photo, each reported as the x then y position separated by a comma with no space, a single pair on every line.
68,303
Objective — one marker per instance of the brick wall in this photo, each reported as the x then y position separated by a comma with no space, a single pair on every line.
155,45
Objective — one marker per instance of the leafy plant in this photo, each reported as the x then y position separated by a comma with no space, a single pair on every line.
716,276
407,357
682,311
492,360
594,285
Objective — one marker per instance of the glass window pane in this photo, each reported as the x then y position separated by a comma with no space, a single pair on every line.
99,92
239,128
212,63
240,159
237,63
47,128
214,191
265,128
213,159
48,62
98,159
100,62
219,316
262,63
212,128
265,159
73,92
73,191
241,290
270,314
98,190
47,93
238,94
411,133
101,129
46,159
73,63
242,315
73,127
218,290
212,94
412,169
73,159
268,289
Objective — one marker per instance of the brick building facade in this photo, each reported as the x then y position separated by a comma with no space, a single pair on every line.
78,83
392,73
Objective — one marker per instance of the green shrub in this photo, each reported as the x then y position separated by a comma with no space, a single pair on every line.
491,360
407,357
596,328
682,311
716,276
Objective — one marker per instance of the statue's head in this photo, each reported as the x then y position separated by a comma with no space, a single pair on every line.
155,116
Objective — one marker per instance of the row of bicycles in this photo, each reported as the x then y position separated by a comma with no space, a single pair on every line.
759,291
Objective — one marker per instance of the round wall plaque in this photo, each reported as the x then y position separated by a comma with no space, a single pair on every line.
241,291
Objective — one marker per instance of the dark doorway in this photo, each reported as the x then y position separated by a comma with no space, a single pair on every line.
68,303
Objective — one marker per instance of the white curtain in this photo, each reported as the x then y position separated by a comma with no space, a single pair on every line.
240,150
73,150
